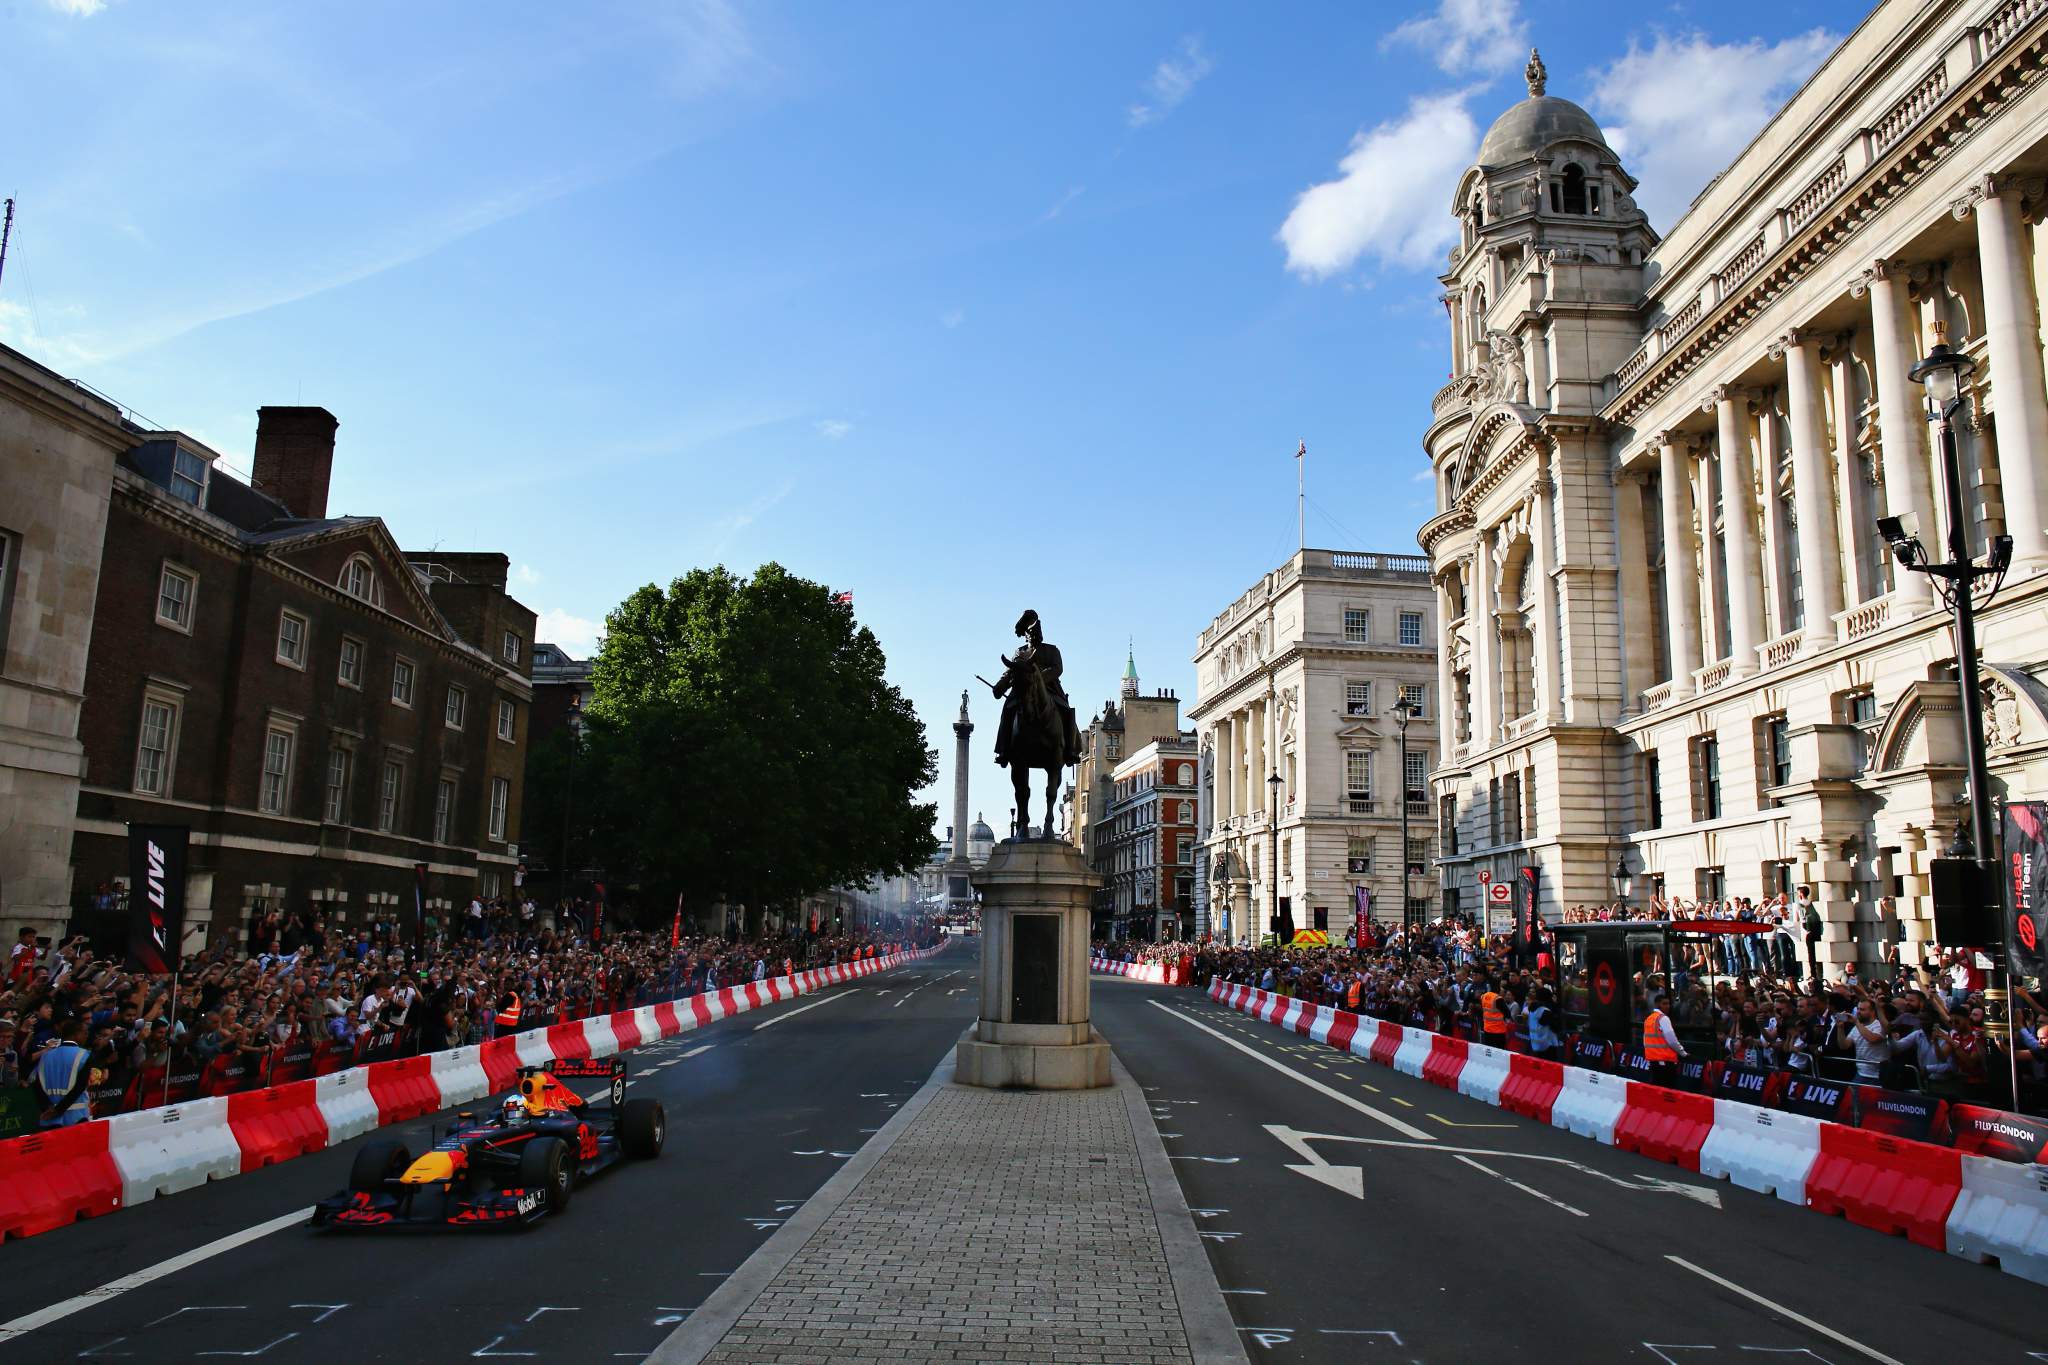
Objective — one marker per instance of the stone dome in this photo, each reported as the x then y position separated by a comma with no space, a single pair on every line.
1530,127
981,831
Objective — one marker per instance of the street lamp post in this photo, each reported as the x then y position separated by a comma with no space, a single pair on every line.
1401,718
1943,372
1273,860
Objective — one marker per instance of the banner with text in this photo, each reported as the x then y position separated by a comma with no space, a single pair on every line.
156,895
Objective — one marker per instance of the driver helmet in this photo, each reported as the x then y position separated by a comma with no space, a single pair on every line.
515,1109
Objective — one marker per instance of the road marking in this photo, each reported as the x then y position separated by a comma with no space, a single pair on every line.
43,1317
1299,1142
1830,1333
1398,1125
1260,1292
1525,1189
822,1000
1398,1100
702,1047
1449,1124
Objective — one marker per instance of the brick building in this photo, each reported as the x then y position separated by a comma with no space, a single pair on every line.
325,711
1148,841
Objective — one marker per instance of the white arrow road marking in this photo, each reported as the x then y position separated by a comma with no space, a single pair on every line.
1298,1141
1525,1189
704,1047
1782,1311
1400,1126
1344,1179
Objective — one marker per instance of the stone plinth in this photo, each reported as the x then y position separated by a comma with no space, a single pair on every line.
1033,1033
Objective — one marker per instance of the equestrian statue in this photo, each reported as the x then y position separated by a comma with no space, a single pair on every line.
1037,731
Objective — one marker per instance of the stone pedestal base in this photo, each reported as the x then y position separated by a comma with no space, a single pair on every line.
1033,1033
1033,1066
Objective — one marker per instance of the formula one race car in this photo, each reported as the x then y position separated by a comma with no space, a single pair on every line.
513,1167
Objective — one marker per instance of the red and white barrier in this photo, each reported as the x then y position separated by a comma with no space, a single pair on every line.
50,1179
1975,1207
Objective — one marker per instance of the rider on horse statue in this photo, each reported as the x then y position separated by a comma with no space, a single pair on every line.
1039,658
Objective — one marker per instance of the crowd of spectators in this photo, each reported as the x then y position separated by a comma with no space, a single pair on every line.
90,1036
1740,998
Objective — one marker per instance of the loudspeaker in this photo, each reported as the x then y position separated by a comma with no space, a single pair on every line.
1963,914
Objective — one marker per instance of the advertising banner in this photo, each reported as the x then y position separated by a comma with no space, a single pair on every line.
156,895
2026,887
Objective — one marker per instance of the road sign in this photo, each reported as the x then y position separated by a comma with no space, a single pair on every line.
1500,893
1485,877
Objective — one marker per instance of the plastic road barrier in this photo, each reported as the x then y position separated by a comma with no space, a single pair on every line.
2002,1215
346,1103
1532,1087
276,1124
403,1089
1343,1028
1590,1103
566,1041
1446,1061
163,1151
1668,1125
53,1178
460,1076
1766,1150
1486,1071
1894,1185
1413,1052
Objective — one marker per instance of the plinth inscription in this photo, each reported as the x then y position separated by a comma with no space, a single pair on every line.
1035,969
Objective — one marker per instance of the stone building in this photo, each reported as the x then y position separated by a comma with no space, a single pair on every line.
1147,841
324,711
58,444
1119,729
1299,680
1671,636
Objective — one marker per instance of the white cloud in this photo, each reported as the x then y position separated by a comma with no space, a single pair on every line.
78,9
1064,200
832,428
1468,35
525,575
1172,81
1681,109
577,634
952,317
1391,199
1422,476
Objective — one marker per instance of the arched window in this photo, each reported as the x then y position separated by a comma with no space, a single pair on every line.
358,579
1478,211
1569,193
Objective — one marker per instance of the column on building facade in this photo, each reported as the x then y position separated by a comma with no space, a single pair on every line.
1549,640
1745,559
1901,420
1220,776
2012,342
1705,496
1813,492
1853,491
1639,657
1446,723
1485,644
1681,570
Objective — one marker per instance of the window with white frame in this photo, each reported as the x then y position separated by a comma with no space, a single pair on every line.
1358,774
278,742
389,789
1411,697
1411,627
458,706
444,809
1357,625
1357,698
501,801
188,477
157,748
359,580
401,682
174,593
291,639
506,716
1415,776
349,672
1183,849
1358,858
512,646
339,761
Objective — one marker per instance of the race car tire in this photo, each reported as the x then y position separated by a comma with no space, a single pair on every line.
642,1126
377,1162
544,1165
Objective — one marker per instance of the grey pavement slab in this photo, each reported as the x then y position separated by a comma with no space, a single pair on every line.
982,1225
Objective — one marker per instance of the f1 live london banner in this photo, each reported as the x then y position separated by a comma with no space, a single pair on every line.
1531,916
2026,880
156,895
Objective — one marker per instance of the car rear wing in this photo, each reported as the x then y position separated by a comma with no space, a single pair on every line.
612,1069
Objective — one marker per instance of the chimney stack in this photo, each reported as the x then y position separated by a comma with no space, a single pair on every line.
295,457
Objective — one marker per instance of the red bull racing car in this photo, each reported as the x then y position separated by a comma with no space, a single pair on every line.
508,1168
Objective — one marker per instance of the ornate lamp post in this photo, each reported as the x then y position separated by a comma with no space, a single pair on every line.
1622,881
1273,851
1943,373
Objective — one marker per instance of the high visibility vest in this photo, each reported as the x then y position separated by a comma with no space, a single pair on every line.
1490,1013
509,1016
1655,1046
1351,995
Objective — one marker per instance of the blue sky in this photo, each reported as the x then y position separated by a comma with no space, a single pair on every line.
964,308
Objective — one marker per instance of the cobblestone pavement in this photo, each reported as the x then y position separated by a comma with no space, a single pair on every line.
1001,1226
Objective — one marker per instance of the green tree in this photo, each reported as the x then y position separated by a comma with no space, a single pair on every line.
745,743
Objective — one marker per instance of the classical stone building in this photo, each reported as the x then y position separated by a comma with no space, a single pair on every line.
1147,843
326,713
1299,680
58,444
1119,729
1671,636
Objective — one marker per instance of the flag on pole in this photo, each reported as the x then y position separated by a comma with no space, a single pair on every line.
843,598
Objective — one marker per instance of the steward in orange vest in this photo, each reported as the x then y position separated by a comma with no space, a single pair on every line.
1493,1020
508,1017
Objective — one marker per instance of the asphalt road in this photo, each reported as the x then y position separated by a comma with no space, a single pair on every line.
762,1109
1455,1240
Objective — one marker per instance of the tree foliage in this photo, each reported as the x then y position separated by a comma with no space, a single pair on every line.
745,743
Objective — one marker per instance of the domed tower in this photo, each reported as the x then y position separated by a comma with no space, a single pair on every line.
981,841
1130,684
1542,298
